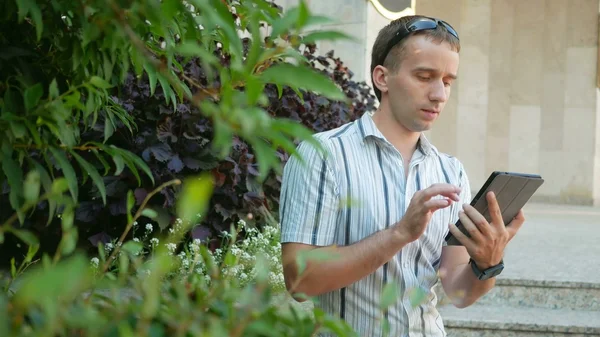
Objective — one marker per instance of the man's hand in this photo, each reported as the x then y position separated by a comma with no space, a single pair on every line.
488,240
421,208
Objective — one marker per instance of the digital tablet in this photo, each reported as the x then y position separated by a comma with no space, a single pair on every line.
513,190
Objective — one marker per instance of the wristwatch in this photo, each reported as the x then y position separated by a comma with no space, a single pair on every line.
487,273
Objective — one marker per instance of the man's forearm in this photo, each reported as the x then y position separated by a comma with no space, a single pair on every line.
463,287
347,265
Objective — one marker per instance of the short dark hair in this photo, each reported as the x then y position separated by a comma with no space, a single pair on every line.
394,57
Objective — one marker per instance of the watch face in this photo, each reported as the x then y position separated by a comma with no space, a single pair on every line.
493,271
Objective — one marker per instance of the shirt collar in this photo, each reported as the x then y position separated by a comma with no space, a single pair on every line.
368,129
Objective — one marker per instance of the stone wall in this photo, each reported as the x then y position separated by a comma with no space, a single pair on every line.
526,99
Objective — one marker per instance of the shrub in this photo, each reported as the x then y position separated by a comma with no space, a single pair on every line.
194,117
77,139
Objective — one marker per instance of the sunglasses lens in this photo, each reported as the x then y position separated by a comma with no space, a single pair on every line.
422,24
450,29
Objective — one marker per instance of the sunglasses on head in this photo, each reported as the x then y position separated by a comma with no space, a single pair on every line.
422,23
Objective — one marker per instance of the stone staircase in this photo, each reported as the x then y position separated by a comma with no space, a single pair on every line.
551,286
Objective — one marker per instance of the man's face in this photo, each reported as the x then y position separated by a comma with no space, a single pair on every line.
419,89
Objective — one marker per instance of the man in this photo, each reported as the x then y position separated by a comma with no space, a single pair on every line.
382,198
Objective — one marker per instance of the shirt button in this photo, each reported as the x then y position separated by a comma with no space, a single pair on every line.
405,264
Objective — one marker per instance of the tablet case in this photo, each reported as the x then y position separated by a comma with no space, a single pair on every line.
513,190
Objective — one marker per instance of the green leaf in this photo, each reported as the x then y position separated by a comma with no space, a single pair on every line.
14,177
303,15
132,247
91,170
170,8
314,255
256,44
285,22
31,187
66,280
265,157
330,35
99,82
18,130
102,161
53,90
151,77
389,295
319,20
32,96
31,251
130,204
417,296
109,127
119,163
34,132
31,7
60,186
13,268
67,219
193,49
254,89
5,324
67,169
194,197
47,183
137,161
303,78
150,213
25,236
69,241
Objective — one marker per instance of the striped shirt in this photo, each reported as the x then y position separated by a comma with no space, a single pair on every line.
357,190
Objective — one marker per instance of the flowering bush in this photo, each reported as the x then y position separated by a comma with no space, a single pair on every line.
245,252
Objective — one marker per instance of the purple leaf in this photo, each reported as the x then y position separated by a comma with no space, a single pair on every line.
118,208
200,232
140,195
175,165
88,211
100,237
162,152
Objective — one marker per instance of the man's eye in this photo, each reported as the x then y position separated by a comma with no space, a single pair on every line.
424,78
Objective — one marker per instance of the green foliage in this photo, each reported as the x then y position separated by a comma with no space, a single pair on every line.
63,66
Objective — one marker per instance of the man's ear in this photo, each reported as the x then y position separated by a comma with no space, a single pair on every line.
380,78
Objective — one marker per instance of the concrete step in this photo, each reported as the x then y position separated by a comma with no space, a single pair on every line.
484,320
544,294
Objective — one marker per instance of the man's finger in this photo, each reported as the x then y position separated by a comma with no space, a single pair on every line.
473,230
463,239
513,227
446,190
435,204
494,208
477,219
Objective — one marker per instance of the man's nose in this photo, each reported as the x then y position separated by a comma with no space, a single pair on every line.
438,92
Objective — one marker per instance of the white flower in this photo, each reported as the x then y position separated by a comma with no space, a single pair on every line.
108,247
136,240
154,241
95,261
171,247
148,227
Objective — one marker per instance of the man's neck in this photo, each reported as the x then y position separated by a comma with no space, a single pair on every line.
404,140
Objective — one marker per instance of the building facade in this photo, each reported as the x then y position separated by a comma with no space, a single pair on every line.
527,97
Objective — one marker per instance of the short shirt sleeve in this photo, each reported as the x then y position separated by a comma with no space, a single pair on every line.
309,200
